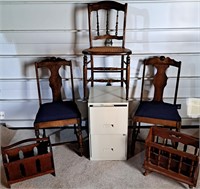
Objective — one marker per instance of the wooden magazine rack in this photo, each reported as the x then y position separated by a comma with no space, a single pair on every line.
27,159
172,154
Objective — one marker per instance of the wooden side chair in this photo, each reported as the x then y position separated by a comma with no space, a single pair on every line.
107,26
155,111
57,113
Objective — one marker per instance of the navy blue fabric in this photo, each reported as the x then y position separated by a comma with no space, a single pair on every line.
159,110
57,111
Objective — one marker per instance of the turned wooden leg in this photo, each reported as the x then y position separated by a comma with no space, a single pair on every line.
79,138
134,138
85,77
37,133
146,172
122,71
127,76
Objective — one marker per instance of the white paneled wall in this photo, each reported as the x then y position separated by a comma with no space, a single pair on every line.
33,29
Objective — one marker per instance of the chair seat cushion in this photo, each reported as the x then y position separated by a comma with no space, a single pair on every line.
57,111
158,110
107,50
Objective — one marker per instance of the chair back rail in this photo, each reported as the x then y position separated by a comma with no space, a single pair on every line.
110,8
55,80
161,65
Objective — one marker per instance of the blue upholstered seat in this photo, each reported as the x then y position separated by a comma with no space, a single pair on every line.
158,110
61,110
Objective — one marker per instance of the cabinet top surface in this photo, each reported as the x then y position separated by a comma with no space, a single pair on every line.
107,94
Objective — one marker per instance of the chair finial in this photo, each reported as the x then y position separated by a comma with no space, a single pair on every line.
162,58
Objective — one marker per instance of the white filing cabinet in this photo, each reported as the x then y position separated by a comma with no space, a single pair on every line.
108,123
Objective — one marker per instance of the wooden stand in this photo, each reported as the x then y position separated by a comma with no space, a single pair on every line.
23,162
172,154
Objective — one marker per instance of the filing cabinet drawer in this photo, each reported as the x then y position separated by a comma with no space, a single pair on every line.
108,147
108,120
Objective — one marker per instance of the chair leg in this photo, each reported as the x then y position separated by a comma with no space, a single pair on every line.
134,137
87,127
92,70
122,71
178,127
127,76
85,77
79,138
37,133
44,133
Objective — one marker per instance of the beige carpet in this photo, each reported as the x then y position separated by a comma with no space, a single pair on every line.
74,172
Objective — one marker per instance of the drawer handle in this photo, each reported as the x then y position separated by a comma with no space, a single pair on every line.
108,125
108,149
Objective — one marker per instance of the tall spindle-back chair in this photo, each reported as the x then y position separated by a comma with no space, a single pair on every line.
107,29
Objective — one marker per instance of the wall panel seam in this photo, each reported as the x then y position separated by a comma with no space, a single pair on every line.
49,30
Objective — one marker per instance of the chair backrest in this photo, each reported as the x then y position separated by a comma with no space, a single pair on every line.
53,66
159,78
107,22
